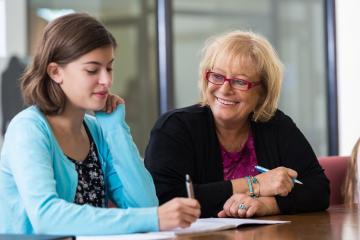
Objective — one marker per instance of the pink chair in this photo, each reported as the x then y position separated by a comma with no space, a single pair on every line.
335,169
111,204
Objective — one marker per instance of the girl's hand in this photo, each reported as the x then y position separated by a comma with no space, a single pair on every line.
178,212
111,103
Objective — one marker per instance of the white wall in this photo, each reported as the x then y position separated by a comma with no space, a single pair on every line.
348,65
16,24
15,34
2,29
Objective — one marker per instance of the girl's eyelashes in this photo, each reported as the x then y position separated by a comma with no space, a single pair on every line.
91,72
95,71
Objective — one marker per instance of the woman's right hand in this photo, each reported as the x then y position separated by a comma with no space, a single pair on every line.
278,181
178,212
252,206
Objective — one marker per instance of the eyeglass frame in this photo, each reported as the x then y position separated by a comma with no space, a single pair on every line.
248,83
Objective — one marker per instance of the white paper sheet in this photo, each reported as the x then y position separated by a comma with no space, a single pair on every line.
200,226
217,224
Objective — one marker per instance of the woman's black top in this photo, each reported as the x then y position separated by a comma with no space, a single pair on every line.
184,141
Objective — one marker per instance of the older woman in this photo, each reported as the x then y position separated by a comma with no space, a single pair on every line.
236,127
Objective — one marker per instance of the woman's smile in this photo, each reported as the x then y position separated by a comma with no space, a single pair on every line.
225,101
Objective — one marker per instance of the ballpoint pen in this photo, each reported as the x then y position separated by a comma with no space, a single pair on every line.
189,186
262,169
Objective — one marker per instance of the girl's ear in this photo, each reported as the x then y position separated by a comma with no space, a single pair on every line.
54,71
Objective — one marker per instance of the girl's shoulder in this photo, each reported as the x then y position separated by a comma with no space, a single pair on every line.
29,118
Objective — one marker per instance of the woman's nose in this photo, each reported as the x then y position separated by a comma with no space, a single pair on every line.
226,86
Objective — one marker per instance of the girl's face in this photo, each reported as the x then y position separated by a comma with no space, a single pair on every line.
86,81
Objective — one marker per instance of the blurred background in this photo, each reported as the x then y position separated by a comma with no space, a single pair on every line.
156,66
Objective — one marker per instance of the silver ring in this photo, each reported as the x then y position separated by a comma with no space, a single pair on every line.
243,206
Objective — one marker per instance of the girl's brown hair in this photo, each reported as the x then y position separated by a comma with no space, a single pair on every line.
64,40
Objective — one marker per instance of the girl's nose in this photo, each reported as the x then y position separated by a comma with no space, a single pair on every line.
106,79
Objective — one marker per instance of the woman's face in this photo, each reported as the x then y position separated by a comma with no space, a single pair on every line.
230,106
87,80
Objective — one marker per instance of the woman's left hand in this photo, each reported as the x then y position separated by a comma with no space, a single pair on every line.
241,205
111,103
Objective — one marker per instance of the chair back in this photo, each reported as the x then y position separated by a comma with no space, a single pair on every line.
335,169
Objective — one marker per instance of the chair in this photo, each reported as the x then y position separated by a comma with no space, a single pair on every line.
111,204
335,169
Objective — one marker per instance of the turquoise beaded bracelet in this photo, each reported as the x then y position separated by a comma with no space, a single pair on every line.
250,180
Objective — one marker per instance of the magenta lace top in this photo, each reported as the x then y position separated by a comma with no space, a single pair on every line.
240,164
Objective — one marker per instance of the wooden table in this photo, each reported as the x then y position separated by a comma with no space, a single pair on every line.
338,222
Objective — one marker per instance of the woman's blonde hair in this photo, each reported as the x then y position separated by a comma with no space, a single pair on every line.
64,40
350,186
246,47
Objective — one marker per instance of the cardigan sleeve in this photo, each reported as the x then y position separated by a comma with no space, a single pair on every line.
28,151
124,163
295,152
174,151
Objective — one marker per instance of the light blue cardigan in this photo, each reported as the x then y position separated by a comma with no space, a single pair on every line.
38,182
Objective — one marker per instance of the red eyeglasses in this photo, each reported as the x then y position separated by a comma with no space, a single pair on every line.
240,84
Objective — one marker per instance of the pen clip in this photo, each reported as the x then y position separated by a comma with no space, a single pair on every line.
189,186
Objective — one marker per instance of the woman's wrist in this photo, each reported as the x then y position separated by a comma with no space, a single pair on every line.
270,204
239,185
253,186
